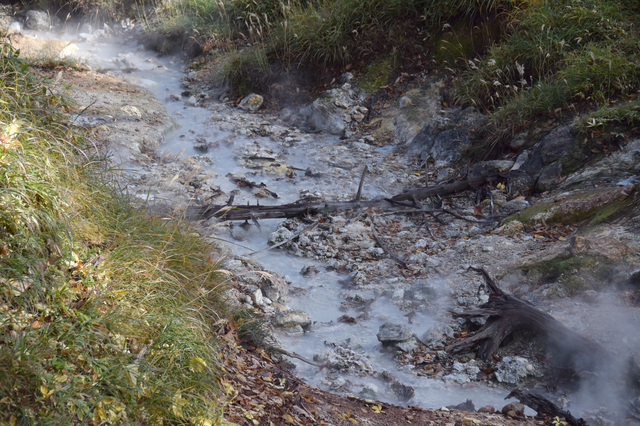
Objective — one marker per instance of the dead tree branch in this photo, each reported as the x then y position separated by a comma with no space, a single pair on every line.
508,314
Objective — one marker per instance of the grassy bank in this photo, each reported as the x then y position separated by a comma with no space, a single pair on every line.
519,61
106,313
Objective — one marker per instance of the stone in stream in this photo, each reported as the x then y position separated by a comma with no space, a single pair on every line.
464,406
398,336
275,287
402,391
251,102
292,320
369,391
390,333
513,409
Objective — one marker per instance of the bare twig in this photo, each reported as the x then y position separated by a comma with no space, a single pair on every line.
85,108
359,193
386,250
301,358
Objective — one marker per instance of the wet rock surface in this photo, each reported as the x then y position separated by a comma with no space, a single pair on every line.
555,255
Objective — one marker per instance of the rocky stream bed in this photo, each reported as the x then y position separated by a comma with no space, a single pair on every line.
365,299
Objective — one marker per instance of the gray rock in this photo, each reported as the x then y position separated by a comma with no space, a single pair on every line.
426,290
309,270
408,346
520,160
515,205
405,102
390,333
192,101
449,146
346,77
406,129
558,143
251,102
398,295
549,177
445,174
13,27
322,117
423,140
279,235
37,20
520,182
489,168
464,406
618,166
403,392
131,111
256,296
342,97
369,391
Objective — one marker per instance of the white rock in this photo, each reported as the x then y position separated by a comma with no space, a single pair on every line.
257,298
398,295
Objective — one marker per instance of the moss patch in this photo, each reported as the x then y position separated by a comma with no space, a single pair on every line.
591,206
575,273
377,73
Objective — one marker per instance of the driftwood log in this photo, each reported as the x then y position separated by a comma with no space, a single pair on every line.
255,212
508,314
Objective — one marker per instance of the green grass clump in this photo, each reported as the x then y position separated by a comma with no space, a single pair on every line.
106,313
558,56
321,34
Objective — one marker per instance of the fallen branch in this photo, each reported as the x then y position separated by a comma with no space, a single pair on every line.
406,199
359,193
543,406
444,189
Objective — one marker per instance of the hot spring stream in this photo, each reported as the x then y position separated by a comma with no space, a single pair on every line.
339,165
